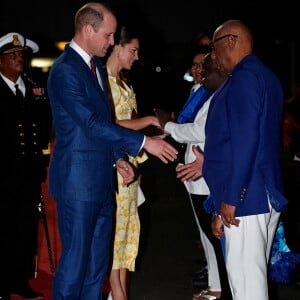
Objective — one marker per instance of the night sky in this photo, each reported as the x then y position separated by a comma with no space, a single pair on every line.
169,28
175,22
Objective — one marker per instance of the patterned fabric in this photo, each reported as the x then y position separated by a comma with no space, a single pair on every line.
127,230
283,260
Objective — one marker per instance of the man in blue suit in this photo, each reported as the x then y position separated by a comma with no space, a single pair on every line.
87,145
241,160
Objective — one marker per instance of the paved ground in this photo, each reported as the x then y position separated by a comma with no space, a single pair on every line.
169,252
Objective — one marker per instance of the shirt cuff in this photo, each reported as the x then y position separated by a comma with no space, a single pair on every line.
142,146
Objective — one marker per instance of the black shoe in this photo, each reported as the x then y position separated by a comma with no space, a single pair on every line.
26,292
200,279
199,284
201,274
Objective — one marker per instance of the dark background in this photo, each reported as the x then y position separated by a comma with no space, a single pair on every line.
168,31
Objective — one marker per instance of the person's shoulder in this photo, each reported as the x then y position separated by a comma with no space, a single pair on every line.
250,63
252,67
66,61
254,64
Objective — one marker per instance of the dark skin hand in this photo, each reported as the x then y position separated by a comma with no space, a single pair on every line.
217,227
164,116
227,213
226,218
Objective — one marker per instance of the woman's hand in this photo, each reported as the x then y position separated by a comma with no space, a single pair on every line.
126,170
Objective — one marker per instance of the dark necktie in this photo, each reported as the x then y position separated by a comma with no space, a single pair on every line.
93,67
19,95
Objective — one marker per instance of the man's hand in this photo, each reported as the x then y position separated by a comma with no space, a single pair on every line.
191,171
227,212
164,116
160,148
217,227
126,170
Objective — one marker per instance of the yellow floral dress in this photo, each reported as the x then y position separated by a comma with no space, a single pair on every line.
127,229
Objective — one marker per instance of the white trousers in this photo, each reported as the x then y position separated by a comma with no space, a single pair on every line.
247,253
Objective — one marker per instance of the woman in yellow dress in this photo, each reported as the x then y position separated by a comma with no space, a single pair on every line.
127,226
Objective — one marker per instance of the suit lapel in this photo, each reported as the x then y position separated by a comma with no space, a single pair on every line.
80,63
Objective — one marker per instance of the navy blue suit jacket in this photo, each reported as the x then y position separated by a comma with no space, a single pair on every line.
243,135
87,143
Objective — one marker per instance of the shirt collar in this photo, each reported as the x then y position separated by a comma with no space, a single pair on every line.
12,84
85,56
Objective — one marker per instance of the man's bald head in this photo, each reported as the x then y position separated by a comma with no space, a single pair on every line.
232,41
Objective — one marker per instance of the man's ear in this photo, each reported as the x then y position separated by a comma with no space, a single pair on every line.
88,30
232,41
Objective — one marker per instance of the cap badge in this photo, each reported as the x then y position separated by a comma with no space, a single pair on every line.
16,41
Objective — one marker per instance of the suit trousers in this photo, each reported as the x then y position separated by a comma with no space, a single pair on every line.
85,231
248,249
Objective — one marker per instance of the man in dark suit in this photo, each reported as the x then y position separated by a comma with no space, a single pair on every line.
242,160
87,145
25,122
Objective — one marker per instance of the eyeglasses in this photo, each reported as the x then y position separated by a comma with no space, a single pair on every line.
212,43
196,65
